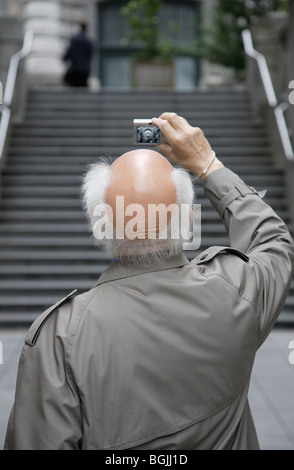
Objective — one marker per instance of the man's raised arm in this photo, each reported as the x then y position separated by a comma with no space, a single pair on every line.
252,225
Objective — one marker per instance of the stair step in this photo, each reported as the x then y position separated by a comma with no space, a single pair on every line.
76,203
82,162
22,131
72,240
32,170
41,203
76,180
118,97
74,190
30,256
42,301
115,151
83,254
37,285
127,115
42,241
119,139
141,97
19,317
71,215
100,123
49,271
98,106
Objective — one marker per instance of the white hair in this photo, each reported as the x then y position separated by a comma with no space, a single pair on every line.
146,251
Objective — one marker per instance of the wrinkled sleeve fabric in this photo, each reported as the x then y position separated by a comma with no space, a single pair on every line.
255,229
46,414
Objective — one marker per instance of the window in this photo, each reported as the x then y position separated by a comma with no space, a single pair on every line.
178,22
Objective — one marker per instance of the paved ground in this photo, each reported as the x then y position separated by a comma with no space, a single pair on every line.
271,393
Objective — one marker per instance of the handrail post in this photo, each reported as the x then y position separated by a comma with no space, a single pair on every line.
278,109
5,108
13,67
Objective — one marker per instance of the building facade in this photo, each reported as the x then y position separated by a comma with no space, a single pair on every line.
54,21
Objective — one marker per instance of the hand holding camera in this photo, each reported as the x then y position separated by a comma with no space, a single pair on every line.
186,145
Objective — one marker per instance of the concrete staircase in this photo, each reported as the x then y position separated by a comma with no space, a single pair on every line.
45,245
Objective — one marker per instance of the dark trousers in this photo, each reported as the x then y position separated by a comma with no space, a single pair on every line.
77,79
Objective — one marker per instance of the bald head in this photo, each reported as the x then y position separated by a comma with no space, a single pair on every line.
134,203
141,176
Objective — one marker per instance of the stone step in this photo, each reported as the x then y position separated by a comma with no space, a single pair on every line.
78,169
44,285
117,150
104,122
74,240
42,301
124,140
138,96
79,162
77,216
94,131
137,106
65,203
129,115
76,180
52,271
62,255
52,191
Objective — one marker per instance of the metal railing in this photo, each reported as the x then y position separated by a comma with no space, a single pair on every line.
278,109
5,108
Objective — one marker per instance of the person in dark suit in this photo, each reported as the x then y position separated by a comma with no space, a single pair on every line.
79,54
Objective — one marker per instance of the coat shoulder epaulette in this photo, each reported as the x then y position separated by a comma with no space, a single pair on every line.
36,327
214,251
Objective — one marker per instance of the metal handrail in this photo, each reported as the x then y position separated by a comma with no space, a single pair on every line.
278,109
10,86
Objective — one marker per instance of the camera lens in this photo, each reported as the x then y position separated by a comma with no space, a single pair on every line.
148,134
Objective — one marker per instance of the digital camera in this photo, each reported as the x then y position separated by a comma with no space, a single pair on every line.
145,133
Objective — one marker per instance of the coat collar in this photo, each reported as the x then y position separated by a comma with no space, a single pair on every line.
120,270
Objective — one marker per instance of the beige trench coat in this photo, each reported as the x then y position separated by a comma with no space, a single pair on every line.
159,357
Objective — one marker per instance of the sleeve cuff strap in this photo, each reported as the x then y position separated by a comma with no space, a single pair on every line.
238,191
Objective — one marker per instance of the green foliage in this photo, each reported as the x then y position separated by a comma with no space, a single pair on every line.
222,43
143,20
143,17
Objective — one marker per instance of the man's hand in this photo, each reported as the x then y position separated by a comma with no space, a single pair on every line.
187,145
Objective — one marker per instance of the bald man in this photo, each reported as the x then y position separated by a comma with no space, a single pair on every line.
158,354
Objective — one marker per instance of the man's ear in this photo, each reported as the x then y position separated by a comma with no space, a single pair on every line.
191,214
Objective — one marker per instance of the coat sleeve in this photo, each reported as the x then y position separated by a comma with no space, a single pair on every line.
46,413
255,229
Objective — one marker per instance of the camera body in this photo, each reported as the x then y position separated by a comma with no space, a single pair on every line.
145,133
